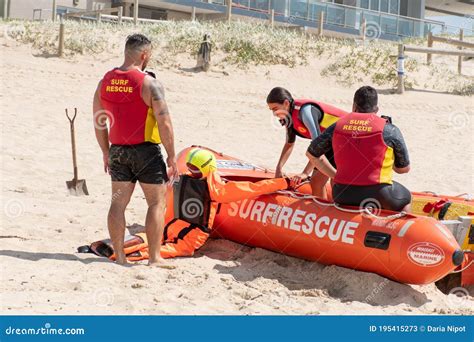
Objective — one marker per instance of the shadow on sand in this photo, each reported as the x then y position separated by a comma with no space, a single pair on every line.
308,278
36,256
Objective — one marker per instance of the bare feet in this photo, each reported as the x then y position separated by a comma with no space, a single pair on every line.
121,260
161,263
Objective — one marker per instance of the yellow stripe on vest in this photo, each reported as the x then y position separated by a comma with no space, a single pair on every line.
328,120
151,128
466,245
386,171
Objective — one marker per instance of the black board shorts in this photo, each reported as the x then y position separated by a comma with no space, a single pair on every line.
390,196
142,162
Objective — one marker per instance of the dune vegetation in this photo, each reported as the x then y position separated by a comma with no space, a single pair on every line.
348,61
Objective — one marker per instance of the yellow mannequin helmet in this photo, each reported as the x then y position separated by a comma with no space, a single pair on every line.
200,162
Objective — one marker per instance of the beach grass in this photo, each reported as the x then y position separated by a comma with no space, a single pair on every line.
245,45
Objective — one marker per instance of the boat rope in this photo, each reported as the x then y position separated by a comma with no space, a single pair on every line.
347,210
465,195
464,268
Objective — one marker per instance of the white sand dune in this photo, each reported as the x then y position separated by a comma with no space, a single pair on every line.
42,224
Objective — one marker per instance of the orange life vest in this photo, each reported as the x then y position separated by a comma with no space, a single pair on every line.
330,115
195,203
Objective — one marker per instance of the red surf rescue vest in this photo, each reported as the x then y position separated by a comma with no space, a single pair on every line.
360,152
330,115
131,120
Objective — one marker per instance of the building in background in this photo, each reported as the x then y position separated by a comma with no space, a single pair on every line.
42,9
386,19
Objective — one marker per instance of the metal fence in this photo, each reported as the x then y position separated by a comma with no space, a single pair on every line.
348,16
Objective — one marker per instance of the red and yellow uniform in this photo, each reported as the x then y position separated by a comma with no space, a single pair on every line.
131,120
361,154
330,115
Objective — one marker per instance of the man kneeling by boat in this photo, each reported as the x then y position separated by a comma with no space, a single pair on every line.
367,149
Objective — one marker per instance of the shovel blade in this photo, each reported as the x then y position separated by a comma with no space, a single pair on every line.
77,187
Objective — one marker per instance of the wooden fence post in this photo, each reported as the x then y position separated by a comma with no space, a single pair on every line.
61,37
401,69
321,24
135,12
229,11
272,18
363,28
5,9
430,45
54,9
120,14
193,13
461,37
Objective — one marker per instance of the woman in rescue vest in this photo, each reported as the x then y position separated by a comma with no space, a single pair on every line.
196,197
367,149
306,119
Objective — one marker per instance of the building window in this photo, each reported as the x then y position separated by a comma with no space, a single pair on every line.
364,4
384,4
374,5
394,6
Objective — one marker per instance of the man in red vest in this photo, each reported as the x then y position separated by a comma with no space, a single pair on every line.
367,149
133,103
306,119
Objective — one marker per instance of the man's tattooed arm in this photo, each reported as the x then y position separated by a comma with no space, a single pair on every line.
158,97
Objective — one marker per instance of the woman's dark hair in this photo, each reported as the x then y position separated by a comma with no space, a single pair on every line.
366,100
279,95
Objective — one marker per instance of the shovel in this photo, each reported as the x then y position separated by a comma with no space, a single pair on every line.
75,186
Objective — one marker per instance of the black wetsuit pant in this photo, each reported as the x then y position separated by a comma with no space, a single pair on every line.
388,196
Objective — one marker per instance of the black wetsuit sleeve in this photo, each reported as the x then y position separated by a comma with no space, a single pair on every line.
323,143
290,135
393,137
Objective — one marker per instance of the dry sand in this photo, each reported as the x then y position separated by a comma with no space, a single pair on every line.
42,224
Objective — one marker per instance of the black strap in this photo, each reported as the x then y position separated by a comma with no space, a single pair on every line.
165,230
151,73
183,232
443,211
387,118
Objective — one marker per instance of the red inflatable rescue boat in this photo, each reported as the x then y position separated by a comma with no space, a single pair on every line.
406,248
413,249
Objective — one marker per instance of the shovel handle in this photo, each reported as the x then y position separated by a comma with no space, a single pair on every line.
73,142
71,120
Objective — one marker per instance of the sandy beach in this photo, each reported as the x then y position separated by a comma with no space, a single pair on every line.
42,225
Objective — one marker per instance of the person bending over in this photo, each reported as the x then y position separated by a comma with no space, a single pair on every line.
306,119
